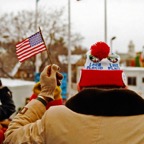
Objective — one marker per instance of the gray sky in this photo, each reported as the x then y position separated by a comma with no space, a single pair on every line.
125,19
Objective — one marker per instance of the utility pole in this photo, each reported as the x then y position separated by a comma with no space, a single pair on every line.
105,20
69,48
38,61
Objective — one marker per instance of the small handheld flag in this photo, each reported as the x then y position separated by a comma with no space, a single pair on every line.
30,47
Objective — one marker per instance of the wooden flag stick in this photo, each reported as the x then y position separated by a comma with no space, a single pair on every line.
48,54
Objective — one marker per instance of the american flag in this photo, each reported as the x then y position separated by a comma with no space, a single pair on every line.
30,47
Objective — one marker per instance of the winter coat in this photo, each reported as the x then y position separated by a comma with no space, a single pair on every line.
7,107
90,117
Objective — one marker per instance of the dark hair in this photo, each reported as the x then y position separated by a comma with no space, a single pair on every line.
102,87
0,82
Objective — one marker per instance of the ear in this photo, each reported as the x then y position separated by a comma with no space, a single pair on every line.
126,87
78,87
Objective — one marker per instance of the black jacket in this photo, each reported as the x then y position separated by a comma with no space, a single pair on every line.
7,107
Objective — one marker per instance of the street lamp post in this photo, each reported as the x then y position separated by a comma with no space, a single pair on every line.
105,20
38,60
69,48
113,38
36,14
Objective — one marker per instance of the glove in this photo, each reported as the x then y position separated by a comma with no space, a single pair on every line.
49,79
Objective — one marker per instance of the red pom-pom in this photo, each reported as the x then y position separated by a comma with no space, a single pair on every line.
100,50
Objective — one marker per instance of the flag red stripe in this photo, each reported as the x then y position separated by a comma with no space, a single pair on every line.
24,46
28,56
21,44
28,48
31,52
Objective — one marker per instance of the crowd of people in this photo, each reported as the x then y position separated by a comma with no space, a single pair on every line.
103,111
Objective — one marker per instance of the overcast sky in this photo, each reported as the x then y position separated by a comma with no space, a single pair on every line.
125,19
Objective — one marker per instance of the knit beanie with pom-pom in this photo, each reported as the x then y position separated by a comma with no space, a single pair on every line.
101,68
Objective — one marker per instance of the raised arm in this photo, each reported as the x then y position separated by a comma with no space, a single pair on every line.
28,125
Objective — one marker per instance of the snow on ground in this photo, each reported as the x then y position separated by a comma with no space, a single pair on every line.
15,82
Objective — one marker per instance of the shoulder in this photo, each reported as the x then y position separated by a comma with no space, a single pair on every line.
56,111
56,115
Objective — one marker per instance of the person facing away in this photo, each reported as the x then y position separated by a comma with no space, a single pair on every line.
104,110
7,108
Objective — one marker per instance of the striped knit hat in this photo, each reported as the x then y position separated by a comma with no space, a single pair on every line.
101,68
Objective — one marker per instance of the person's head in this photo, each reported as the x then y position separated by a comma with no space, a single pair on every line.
102,69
